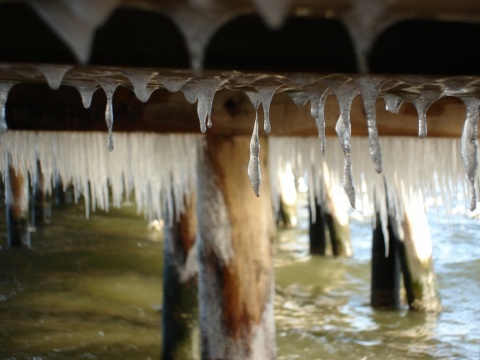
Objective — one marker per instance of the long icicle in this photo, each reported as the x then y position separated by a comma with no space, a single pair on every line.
345,93
369,88
254,164
317,110
109,88
469,146
254,172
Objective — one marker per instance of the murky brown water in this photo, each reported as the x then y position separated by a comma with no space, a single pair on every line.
92,290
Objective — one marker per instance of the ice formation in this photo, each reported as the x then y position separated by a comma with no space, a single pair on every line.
54,74
345,92
198,25
86,90
159,169
254,173
266,92
317,96
191,91
140,85
109,87
75,22
393,103
469,145
4,89
422,103
273,12
208,88
439,177
369,88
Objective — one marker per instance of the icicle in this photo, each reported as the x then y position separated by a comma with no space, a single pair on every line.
173,84
266,91
4,89
422,103
298,97
75,22
273,12
392,103
198,26
345,93
254,163
191,90
469,145
140,82
86,90
369,88
54,74
208,88
109,87
318,95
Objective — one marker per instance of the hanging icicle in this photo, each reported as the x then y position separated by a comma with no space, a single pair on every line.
109,87
4,89
469,148
393,103
369,87
140,85
317,96
266,91
254,173
54,74
86,90
422,103
345,92
254,163
208,88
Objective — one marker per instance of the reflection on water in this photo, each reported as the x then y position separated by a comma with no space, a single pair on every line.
92,290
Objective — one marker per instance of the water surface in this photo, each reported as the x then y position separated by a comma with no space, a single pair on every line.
93,289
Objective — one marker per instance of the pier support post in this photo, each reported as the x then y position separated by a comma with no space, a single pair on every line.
288,199
415,251
337,223
236,279
317,230
385,289
16,201
42,210
180,329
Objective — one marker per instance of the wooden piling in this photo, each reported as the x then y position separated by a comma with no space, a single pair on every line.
235,272
385,283
180,329
338,226
415,252
317,230
42,209
16,201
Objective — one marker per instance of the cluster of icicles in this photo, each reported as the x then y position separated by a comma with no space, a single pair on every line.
260,89
159,169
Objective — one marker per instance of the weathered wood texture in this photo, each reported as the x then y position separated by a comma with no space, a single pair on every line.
16,200
180,329
236,276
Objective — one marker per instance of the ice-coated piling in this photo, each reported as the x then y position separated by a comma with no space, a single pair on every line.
180,329
16,201
235,271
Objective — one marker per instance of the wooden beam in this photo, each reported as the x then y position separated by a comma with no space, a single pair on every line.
36,107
